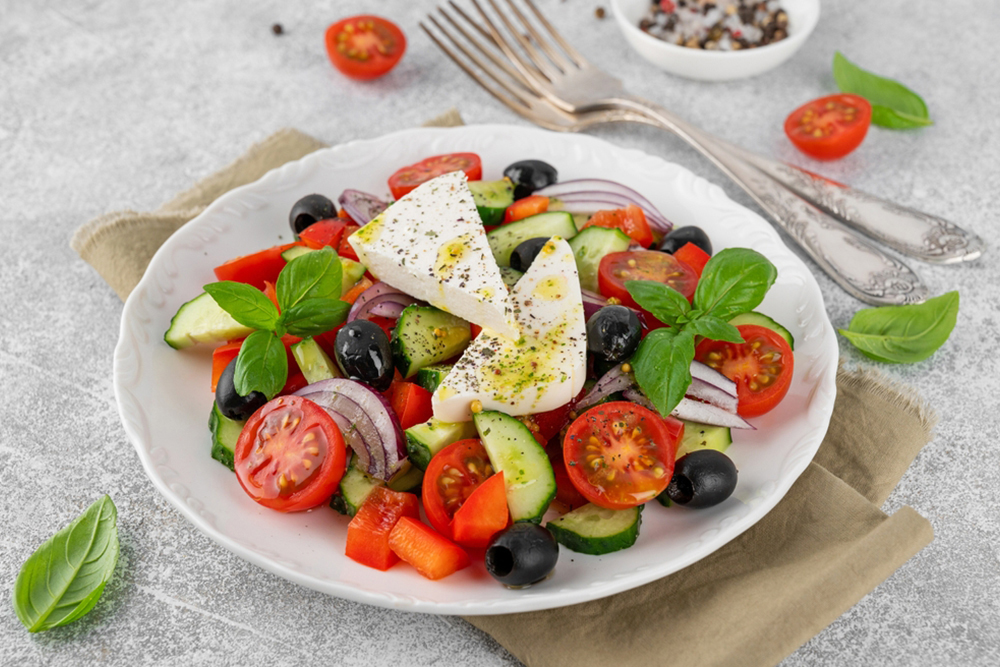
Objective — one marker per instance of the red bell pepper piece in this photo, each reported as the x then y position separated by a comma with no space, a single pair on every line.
221,358
324,233
525,208
410,402
483,514
369,530
256,268
693,256
346,249
431,554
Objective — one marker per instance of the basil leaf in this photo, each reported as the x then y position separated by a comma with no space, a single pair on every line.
664,302
714,328
314,316
893,104
261,365
65,577
246,304
315,275
734,281
904,334
897,120
662,367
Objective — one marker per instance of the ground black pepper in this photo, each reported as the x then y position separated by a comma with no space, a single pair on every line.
277,29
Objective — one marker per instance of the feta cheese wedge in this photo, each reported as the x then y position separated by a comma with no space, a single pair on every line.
431,245
540,371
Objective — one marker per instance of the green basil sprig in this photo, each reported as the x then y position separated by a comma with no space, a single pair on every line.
308,290
893,105
733,282
903,334
64,578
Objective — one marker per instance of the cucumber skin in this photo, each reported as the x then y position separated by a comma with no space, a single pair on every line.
596,546
184,341
492,199
587,266
220,452
528,442
762,320
402,352
505,238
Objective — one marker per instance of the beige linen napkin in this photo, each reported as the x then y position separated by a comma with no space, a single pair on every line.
752,602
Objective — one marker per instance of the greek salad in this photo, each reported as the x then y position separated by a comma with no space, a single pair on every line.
486,369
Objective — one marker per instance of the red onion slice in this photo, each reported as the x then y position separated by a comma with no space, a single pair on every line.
601,189
614,380
708,375
592,302
388,305
361,206
377,290
365,418
703,413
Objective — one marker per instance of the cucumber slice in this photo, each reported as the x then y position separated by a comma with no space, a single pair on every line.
425,335
595,530
527,473
703,436
351,271
590,245
225,433
510,276
492,199
425,440
429,378
504,239
406,478
314,363
202,320
355,486
762,320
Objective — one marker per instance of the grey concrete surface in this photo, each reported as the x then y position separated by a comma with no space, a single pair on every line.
111,104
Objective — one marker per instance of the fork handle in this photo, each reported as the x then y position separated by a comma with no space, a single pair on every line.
854,263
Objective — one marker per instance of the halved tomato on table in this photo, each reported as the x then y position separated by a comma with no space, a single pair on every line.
451,477
290,455
619,454
761,367
631,220
365,47
830,127
408,178
618,267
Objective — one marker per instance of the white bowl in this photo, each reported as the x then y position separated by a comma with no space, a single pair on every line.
716,65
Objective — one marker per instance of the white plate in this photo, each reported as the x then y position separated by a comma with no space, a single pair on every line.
164,398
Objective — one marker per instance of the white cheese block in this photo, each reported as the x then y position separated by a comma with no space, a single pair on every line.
540,371
431,245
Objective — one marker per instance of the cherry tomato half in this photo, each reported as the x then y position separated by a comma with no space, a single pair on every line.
408,178
451,477
619,454
618,267
631,220
830,127
290,455
761,367
365,47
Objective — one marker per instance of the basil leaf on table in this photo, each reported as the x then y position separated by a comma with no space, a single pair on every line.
904,334
314,316
664,302
893,104
315,275
64,578
714,328
262,365
733,282
662,366
246,304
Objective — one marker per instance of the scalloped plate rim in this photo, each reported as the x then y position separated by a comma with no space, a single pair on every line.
536,598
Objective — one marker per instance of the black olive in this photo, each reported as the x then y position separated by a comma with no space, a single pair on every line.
530,175
363,353
526,252
310,209
522,555
703,478
613,333
230,403
680,236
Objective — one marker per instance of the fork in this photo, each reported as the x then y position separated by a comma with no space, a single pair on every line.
558,94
